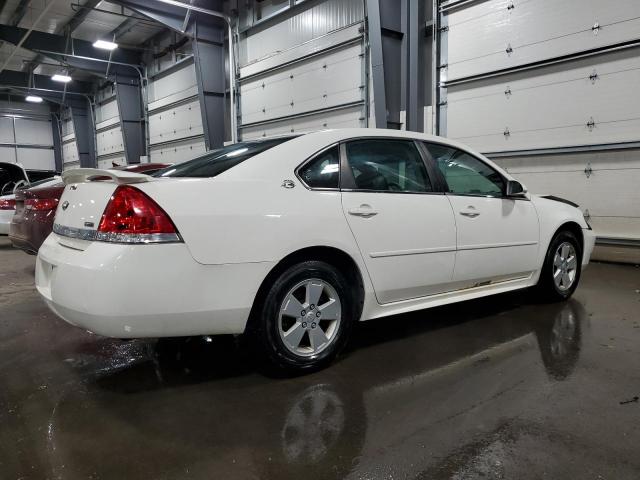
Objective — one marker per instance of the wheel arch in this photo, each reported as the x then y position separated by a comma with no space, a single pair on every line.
331,255
574,228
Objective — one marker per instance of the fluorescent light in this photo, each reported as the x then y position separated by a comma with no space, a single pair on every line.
103,44
33,99
61,78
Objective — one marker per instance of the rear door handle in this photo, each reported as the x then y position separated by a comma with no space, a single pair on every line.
470,212
364,211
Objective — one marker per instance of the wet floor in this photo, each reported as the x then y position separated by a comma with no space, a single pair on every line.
497,388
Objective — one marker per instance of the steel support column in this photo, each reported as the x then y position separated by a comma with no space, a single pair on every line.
130,106
84,131
412,50
374,33
210,75
57,141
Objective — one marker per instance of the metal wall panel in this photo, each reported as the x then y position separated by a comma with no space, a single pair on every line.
306,25
343,118
589,180
317,83
178,152
497,34
589,101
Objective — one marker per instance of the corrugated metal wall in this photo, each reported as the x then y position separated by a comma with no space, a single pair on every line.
578,91
304,71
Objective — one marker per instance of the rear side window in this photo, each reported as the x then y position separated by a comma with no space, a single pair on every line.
387,165
220,160
323,171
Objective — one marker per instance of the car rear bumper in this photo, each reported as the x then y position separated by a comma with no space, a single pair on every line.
135,291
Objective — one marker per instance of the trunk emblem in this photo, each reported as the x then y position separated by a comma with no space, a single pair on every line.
65,205
288,184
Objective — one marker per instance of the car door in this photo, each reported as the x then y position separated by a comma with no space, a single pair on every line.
497,237
402,222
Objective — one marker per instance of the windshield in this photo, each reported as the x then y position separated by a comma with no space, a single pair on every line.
220,160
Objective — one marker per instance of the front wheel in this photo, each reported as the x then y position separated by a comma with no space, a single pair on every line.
305,318
562,267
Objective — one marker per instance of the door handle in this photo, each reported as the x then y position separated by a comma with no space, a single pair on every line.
470,212
364,211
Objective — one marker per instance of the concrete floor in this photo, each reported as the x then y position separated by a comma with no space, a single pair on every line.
497,388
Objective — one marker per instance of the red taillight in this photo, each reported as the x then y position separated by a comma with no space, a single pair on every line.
132,217
7,204
41,204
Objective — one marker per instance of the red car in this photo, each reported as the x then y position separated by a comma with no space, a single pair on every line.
36,209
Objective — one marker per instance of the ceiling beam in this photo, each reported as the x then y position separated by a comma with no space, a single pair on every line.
85,57
23,79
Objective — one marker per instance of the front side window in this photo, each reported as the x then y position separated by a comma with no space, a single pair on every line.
323,171
387,165
465,174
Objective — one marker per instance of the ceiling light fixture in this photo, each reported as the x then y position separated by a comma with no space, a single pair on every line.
33,99
61,78
105,45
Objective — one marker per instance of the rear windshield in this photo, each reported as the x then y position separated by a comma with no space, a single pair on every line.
220,160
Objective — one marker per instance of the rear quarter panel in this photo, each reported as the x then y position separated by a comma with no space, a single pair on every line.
237,221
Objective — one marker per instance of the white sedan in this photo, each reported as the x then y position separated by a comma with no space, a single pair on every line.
294,239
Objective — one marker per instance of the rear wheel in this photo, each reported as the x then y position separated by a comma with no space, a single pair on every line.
305,318
562,267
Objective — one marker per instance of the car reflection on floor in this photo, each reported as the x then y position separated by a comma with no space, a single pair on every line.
416,400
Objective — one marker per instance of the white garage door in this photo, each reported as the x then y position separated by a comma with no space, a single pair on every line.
27,140
309,76
175,122
541,86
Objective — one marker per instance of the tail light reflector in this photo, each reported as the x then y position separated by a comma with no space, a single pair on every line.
131,216
7,204
41,204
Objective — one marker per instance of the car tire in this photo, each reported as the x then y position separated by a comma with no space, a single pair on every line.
562,267
286,318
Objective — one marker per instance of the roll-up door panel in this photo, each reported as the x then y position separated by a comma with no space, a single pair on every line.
178,152
70,152
6,130
34,132
343,118
318,83
8,154
110,141
173,83
37,158
111,161
498,34
176,123
583,102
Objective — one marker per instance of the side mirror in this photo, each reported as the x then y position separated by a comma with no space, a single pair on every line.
515,189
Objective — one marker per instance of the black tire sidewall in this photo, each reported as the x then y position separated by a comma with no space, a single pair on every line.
267,329
546,282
